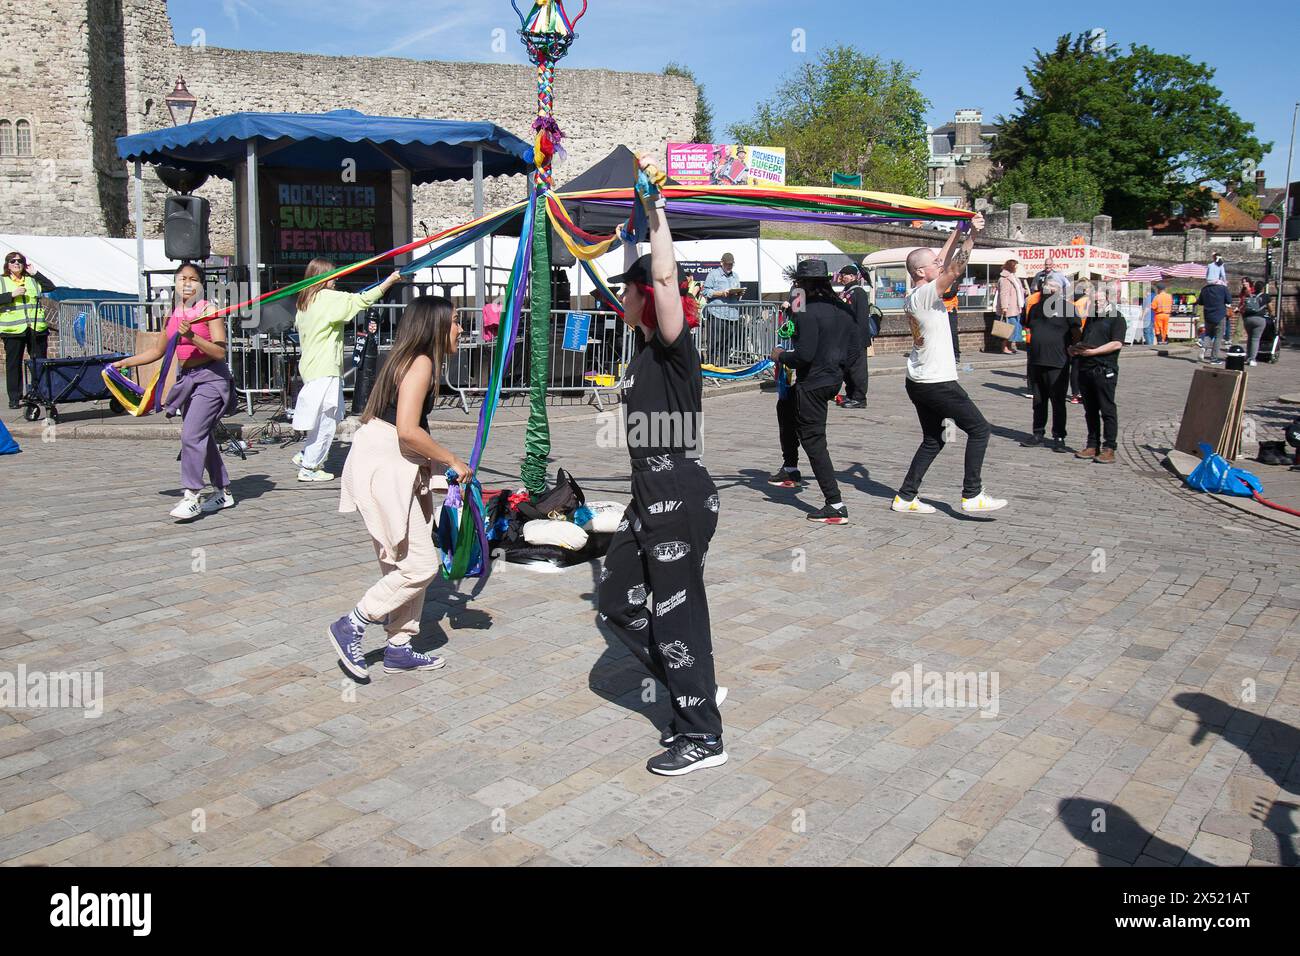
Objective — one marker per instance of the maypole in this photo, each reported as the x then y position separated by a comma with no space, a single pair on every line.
547,33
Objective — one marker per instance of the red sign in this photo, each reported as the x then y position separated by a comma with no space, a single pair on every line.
1269,226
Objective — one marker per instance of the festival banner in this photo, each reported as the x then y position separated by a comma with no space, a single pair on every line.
726,164
306,214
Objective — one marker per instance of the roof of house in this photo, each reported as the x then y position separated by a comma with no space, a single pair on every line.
1230,219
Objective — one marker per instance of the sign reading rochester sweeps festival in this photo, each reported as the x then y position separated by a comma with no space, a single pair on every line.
307,214
723,164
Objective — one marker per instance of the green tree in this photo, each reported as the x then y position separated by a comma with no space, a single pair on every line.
846,112
703,131
1053,187
1151,128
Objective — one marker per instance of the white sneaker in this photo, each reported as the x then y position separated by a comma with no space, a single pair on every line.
915,506
218,501
189,508
297,459
314,474
1252,364
720,696
982,502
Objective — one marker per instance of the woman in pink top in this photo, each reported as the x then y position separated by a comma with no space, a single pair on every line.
202,394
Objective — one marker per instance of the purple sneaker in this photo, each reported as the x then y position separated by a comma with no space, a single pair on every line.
346,638
402,659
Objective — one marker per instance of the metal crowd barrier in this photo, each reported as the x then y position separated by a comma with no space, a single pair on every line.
266,363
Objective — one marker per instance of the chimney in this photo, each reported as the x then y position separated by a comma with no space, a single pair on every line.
1259,182
967,124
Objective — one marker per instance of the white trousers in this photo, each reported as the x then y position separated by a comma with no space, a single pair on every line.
318,412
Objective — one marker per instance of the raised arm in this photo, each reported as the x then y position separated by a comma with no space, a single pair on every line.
663,267
954,256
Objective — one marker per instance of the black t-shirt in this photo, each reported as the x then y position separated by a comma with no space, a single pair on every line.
822,337
664,395
1215,299
1101,329
1050,334
390,413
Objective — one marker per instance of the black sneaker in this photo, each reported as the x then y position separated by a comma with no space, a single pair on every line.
785,479
853,403
667,738
1033,442
831,514
687,754
1058,445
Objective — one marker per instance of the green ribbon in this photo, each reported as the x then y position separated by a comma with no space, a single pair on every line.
537,437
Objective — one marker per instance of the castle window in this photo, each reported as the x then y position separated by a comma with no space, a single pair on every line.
23,137
6,138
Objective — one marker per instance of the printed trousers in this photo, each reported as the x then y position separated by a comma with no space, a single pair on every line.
651,591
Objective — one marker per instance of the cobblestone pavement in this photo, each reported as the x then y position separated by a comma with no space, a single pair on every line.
1143,641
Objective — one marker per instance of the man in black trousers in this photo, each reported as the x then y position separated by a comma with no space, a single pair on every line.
858,300
823,326
1098,354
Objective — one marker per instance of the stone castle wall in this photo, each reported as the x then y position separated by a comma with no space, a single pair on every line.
112,62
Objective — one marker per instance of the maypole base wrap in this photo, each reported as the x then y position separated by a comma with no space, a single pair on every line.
537,437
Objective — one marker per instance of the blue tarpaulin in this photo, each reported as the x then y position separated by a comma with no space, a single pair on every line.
433,150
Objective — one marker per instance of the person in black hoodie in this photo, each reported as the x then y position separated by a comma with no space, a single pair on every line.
823,326
858,300
1054,327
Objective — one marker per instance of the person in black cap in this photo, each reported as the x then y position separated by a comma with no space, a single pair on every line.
858,300
660,547
822,327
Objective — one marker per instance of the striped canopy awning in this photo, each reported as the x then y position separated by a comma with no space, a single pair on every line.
1186,270
1144,274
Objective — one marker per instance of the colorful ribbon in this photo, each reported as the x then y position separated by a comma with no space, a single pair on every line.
138,400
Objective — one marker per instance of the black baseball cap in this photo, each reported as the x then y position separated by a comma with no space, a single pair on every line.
849,270
639,273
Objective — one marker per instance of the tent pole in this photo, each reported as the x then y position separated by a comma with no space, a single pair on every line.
254,239
759,240
479,294
139,231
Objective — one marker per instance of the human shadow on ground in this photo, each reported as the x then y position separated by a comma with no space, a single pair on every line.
859,477
618,677
1272,746
244,488
1116,837
1017,392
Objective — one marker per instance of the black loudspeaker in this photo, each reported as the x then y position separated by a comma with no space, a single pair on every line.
185,228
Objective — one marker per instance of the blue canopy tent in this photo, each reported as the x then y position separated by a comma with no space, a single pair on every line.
414,151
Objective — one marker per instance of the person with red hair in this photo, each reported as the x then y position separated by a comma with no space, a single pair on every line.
660,547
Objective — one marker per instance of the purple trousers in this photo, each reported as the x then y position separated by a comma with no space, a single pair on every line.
202,394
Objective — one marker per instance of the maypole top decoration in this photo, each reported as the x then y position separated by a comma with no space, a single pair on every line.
547,30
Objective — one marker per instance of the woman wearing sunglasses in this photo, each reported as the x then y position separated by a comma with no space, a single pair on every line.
22,319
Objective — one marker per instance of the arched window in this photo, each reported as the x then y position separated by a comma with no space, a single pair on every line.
6,138
23,137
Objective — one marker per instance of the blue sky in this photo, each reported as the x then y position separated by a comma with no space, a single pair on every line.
740,48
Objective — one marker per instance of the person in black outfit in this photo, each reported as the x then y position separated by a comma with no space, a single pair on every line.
661,545
822,334
1098,355
787,414
1054,327
365,360
858,300
1215,299
22,319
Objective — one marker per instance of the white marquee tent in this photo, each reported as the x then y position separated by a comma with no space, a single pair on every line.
87,262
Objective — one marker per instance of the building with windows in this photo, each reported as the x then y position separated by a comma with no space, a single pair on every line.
959,156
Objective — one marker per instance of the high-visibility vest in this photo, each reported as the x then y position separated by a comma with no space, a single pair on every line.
17,316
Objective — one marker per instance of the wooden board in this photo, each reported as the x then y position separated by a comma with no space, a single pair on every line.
1212,413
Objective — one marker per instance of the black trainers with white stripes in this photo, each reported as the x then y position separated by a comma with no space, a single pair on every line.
687,754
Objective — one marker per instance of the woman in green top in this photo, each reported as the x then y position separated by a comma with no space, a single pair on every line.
323,311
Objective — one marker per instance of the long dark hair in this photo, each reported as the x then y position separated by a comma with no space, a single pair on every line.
423,329
9,255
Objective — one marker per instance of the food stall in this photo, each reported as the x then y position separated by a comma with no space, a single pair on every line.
977,291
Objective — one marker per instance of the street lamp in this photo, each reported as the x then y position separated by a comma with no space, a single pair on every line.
180,103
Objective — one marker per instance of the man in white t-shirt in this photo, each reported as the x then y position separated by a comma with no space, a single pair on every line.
932,376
